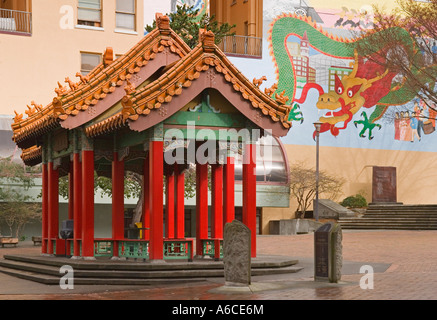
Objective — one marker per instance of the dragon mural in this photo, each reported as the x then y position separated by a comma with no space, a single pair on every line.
367,86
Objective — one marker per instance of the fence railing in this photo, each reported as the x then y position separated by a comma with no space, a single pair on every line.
139,249
16,21
213,248
242,45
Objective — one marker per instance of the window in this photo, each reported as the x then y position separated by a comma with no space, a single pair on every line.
89,61
89,13
125,14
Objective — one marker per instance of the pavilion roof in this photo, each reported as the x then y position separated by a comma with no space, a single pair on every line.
206,57
206,66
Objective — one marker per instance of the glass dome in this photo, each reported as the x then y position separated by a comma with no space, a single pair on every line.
271,162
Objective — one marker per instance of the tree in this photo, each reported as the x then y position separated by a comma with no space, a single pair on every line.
303,186
187,25
103,185
17,207
404,41
132,188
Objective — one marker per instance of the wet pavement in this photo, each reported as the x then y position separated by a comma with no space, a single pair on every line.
404,265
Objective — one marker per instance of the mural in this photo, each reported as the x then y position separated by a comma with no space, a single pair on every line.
315,65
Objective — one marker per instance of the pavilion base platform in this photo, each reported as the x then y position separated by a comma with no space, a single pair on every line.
104,271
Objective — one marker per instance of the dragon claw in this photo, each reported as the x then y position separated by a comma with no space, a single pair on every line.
367,125
295,115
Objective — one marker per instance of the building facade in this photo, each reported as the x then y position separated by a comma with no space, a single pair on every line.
70,33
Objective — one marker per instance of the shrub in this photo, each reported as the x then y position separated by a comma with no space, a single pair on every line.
357,201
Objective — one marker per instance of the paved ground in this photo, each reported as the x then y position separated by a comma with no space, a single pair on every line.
404,265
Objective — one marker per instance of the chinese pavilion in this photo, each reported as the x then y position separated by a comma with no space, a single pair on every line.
117,118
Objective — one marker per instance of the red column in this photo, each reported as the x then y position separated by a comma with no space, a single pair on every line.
77,198
201,206
170,205
117,201
249,192
156,174
45,199
88,204
70,193
229,190
146,201
180,203
217,201
53,206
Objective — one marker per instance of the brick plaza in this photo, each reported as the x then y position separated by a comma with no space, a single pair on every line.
404,262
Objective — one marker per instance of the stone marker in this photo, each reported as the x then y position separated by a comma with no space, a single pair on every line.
328,257
384,185
236,254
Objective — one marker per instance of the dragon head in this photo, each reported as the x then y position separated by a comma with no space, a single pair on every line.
363,87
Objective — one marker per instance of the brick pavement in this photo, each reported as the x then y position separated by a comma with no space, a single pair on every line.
410,255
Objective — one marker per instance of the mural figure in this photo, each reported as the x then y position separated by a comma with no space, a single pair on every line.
414,124
397,123
405,127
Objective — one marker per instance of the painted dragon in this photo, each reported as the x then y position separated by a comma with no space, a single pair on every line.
368,84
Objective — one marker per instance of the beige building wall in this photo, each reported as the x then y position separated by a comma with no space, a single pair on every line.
245,14
416,174
32,65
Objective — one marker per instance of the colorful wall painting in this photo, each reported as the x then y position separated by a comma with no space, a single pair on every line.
313,60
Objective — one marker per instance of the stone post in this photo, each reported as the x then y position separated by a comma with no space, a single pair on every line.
237,254
328,257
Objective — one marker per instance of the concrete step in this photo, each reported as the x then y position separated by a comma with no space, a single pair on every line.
129,274
387,225
404,206
384,227
393,212
384,222
400,215
107,264
388,219
394,216
54,280
431,209
47,270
